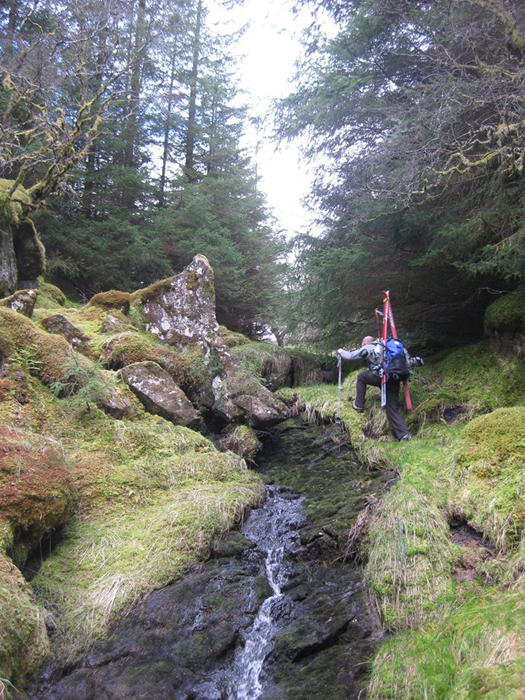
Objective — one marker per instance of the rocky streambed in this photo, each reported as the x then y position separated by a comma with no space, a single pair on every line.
276,613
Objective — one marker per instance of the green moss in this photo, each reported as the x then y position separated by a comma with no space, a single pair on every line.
129,347
51,353
112,299
24,644
142,296
242,440
506,316
153,497
50,297
490,475
11,206
473,653
409,553
232,339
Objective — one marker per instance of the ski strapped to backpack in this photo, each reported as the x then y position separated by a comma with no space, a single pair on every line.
394,358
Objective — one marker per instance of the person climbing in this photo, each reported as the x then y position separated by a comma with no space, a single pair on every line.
371,352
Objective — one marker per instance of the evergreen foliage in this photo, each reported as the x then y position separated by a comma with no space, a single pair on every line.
414,108
156,174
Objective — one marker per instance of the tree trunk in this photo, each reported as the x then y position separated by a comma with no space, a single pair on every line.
192,108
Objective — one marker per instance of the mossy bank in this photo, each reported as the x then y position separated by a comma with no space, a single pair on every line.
443,547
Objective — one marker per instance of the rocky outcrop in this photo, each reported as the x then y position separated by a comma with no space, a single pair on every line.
60,325
180,311
157,391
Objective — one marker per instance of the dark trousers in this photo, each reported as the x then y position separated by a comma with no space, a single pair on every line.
392,399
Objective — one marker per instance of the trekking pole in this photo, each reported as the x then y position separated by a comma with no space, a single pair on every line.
339,385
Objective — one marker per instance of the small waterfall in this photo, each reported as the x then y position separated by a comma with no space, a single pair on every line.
274,528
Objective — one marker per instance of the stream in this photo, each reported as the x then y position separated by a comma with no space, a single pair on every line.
274,614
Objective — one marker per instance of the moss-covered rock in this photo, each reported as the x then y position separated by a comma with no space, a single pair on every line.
232,339
22,255
50,296
491,475
112,300
506,315
48,356
23,301
35,489
129,347
24,644
61,325
242,440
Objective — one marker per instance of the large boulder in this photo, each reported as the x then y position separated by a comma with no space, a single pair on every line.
180,311
155,388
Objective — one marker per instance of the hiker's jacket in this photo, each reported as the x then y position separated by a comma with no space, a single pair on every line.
372,355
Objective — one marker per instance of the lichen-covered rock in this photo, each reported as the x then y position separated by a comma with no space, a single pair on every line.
158,392
112,300
60,325
23,301
24,643
181,310
35,488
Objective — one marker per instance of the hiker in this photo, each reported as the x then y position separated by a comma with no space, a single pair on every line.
371,352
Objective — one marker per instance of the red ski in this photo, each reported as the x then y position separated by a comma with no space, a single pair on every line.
388,317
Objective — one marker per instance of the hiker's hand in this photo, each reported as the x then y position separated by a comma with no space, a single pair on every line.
419,361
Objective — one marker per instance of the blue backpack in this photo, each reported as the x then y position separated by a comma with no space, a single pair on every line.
396,366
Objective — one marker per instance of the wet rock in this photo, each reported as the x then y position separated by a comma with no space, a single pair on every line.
175,645
23,302
157,391
60,325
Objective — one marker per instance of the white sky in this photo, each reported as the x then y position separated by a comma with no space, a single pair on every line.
269,49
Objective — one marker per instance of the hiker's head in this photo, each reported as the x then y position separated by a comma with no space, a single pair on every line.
367,340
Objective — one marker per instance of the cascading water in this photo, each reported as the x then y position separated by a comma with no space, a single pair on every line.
274,529
274,614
